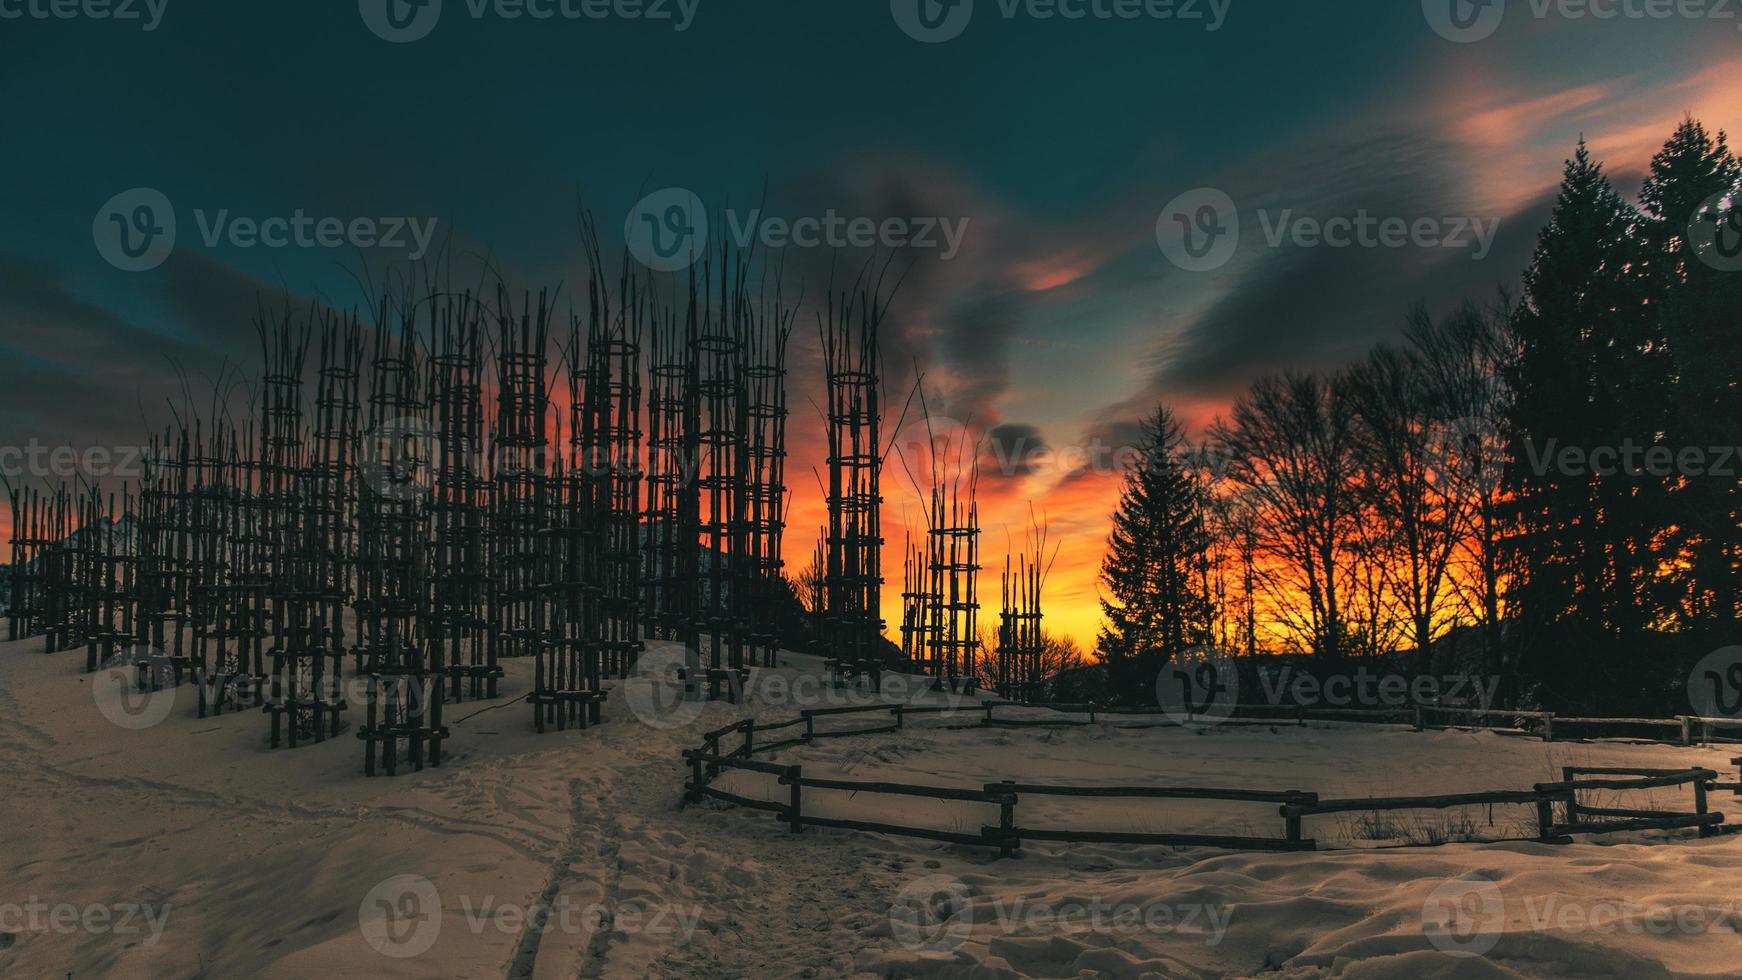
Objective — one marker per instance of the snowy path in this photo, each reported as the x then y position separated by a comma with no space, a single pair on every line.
567,855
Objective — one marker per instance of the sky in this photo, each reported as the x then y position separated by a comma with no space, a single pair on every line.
1065,150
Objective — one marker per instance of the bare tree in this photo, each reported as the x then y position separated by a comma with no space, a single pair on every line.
1461,358
1414,508
1059,654
1232,566
1290,445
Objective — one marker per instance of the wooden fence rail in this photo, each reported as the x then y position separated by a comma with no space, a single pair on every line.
1294,805
1690,728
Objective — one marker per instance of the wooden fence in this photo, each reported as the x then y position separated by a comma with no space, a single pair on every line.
1688,729
716,756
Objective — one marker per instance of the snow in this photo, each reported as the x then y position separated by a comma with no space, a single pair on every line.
276,864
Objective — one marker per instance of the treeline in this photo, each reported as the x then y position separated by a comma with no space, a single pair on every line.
1553,478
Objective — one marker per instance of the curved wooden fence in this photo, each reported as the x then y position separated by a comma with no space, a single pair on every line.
716,755
1687,729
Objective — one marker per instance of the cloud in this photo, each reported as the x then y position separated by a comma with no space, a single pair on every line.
1012,450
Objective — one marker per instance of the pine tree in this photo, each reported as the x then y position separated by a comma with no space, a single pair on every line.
1698,320
1587,374
1155,603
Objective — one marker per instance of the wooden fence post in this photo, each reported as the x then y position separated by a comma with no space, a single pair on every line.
1687,729
793,814
1007,842
1419,726
809,726
1291,821
1548,727
1706,830
696,780
749,730
1544,814
898,715
1572,797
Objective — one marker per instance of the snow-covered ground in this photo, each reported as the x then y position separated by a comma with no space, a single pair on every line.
188,849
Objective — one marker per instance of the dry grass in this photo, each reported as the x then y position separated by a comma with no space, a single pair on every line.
1417,827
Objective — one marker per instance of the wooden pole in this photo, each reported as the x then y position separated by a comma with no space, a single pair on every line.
1007,842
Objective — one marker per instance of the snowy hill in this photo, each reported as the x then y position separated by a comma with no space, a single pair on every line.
231,860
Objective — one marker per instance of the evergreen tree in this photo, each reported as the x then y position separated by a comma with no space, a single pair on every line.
1587,374
1699,323
1155,599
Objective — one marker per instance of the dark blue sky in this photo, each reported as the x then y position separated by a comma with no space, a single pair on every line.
1059,141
